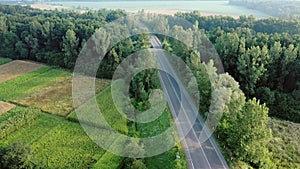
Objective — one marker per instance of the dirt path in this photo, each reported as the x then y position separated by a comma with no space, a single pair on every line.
16,68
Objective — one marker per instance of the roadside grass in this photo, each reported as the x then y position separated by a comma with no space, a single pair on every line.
168,159
4,60
285,145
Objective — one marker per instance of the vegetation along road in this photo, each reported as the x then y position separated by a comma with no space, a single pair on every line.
199,155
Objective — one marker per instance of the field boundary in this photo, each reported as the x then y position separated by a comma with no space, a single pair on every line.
5,107
17,68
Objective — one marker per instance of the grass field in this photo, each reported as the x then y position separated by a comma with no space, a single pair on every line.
110,113
56,98
4,60
19,86
46,88
208,7
16,68
285,145
167,159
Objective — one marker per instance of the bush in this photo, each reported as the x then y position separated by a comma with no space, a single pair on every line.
17,156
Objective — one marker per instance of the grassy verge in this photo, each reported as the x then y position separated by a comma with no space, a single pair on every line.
168,159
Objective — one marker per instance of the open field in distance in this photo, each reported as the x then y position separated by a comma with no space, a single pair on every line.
162,7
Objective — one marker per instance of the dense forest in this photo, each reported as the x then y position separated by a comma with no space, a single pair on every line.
260,56
278,8
264,60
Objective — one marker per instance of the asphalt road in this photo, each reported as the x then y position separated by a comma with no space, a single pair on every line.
199,155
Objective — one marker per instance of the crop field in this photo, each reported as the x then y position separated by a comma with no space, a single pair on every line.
32,131
4,107
16,68
19,118
66,146
56,98
45,88
28,83
60,142
55,142
209,7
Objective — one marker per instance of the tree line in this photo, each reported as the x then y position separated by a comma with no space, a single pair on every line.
265,63
52,37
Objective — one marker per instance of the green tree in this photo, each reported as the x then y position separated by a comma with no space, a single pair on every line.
32,46
70,45
138,164
7,46
21,50
274,67
228,46
249,134
251,67
17,156
3,26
